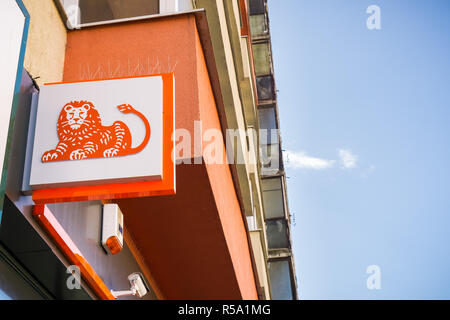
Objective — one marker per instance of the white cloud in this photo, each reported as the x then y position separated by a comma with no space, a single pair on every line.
300,160
347,159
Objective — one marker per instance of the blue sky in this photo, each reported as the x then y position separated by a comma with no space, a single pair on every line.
380,100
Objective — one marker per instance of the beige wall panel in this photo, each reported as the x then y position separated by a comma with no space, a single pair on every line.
46,44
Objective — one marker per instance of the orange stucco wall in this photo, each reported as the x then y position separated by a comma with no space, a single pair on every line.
171,45
220,176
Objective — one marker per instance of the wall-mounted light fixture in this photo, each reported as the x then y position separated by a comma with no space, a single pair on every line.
112,228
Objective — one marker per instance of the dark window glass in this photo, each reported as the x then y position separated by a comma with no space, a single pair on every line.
281,280
268,125
102,10
257,7
277,236
265,88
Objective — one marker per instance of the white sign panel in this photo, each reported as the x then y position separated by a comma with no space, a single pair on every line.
98,132
12,22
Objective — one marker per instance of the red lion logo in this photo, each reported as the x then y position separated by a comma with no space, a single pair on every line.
82,135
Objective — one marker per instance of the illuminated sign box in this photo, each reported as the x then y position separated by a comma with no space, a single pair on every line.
104,139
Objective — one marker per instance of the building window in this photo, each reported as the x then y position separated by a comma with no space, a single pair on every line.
273,198
265,88
270,159
78,12
269,141
268,122
281,279
277,234
257,7
262,58
258,26
103,10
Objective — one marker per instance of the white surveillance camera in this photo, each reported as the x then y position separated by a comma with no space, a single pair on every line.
138,287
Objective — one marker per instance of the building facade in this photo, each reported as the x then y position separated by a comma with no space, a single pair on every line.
224,233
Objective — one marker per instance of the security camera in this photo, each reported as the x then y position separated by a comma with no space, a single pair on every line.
138,287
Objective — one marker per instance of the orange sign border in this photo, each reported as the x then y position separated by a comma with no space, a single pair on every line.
166,186
50,224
